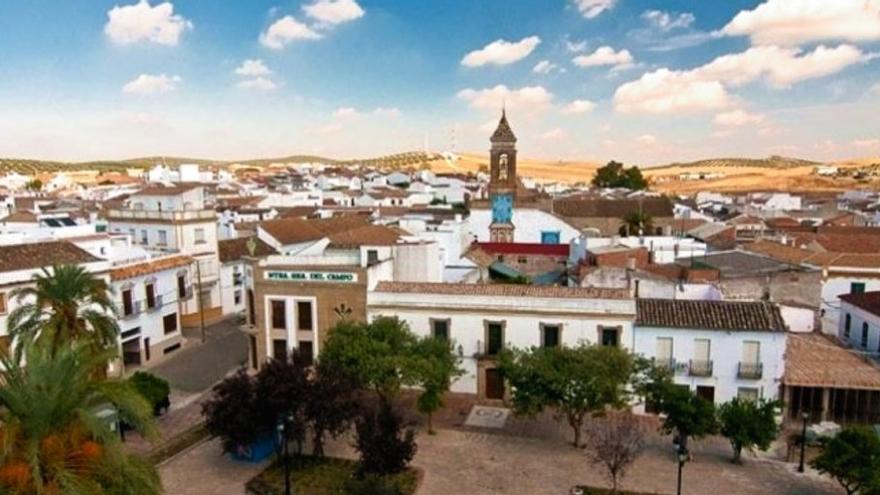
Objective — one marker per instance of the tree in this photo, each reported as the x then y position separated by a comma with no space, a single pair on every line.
637,223
575,381
331,406
687,415
614,174
852,458
437,367
231,410
34,185
615,441
281,391
748,424
64,305
56,438
152,388
384,445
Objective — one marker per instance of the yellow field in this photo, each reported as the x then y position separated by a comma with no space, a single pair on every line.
540,170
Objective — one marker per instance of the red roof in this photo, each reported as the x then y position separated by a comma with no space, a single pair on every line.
523,248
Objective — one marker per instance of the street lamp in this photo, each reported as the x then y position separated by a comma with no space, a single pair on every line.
283,430
805,416
682,458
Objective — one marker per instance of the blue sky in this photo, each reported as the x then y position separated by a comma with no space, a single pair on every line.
643,81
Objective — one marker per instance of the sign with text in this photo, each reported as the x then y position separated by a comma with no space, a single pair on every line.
298,276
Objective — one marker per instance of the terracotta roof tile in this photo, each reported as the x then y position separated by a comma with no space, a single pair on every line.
368,235
611,208
502,290
149,266
869,301
296,230
37,255
815,360
709,315
235,249
159,190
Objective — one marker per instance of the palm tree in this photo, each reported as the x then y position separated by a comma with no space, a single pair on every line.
65,304
637,223
53,439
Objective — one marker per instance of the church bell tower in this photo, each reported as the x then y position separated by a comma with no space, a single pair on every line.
502,183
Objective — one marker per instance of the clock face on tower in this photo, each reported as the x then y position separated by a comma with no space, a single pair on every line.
502,208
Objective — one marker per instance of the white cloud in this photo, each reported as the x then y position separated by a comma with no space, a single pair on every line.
286,30
334,11
258,83
647,140
546,67
578,106
148,84
556,134
705,87
592,8
667,21
141,22
738,118
346,113
866,143
501,52
527,98
252,68
392,112
576,46
605,55
793,22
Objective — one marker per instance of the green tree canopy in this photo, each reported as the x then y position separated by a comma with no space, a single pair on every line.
748,424
574,381
637,223
687,415
66,303
438,366
614,174
55,437
852,458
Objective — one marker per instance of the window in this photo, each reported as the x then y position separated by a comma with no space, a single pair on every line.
199,236
181,286
236,297
857,288
440,329
549,335
169,323
127,303
702,350
147,349
549,237
151,295
372,256
163,238
304,315
663,353
865,335
746,393
751,352
144,237
522,260
306,352
279,348
279,319
2,303
847,323
494,338
609,336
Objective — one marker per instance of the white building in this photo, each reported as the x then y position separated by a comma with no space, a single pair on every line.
860,321
532,225
483,319
719,349
233,272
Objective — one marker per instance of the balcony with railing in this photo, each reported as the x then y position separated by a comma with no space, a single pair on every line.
750,371
124,311
700,367
488,350
664,363
157,303
161,216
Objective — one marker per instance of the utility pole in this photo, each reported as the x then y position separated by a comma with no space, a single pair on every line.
199,298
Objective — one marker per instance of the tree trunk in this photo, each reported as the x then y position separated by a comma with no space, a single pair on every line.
737,454
318,444
614,483
576,421
430,423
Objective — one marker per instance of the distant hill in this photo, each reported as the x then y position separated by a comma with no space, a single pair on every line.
771,162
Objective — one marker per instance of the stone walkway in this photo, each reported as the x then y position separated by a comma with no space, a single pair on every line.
203,470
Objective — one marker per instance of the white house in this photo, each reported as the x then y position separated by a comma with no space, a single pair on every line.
233,273
719,349
860,321
483,319
531,226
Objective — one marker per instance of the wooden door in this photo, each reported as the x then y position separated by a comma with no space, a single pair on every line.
494,384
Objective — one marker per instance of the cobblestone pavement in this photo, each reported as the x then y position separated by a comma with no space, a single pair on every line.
203,470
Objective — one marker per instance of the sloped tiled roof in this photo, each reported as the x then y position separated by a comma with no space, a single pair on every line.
504,290
815,360
869,301
367,235
296,230
159,190
709,315
37,255
612,208
149,266
235,249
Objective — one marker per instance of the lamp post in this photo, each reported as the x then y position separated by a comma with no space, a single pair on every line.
283,428
682,458
805,416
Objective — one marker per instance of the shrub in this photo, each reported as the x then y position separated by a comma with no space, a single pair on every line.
229,413
384,446
152,388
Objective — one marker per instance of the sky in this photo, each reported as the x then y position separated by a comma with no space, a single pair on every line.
641,81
